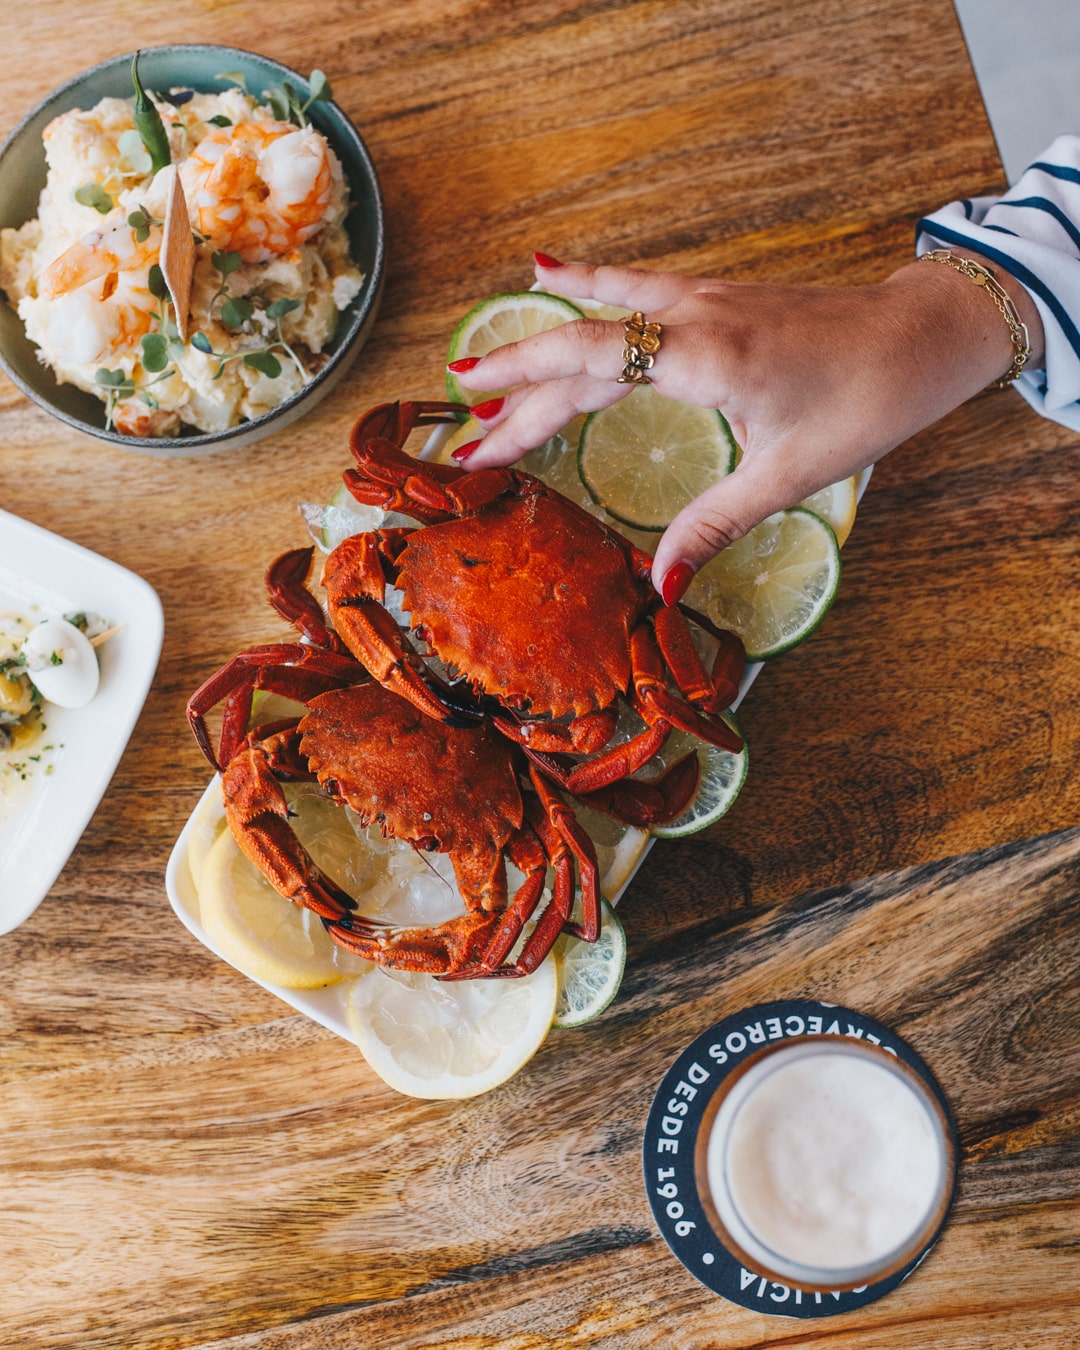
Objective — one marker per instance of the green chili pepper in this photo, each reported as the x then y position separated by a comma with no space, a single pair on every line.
148,124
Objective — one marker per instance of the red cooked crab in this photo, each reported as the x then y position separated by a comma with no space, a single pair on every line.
537,604
439,786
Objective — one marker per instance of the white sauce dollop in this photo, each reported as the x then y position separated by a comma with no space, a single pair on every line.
62,663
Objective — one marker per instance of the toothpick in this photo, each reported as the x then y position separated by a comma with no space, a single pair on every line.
108,633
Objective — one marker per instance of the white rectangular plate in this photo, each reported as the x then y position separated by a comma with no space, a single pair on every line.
44,576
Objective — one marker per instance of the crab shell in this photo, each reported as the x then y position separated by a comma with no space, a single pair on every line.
418,779
552,570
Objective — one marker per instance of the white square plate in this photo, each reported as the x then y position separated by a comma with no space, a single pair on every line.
44,576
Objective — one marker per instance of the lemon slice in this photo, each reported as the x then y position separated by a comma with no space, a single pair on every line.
207,823
260,932
441,1040
775,585
589,973
837,505
498,320
646,457
722,776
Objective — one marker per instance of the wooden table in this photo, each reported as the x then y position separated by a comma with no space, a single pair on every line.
188,1163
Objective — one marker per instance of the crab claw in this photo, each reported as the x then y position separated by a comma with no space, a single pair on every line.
449,947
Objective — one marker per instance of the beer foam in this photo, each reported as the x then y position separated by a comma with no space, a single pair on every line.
826,1157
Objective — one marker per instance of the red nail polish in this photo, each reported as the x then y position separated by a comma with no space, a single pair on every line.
464,451
675,583
546,260
466,363
489,408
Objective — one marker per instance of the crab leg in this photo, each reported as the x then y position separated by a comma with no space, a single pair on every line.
258,816
355,588
529,856
385,475
582,736
711,691
559,841
652,700
653,801
285,582
561,819
442,950
287,668
395,421
619,761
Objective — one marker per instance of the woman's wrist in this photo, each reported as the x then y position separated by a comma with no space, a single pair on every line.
971,315
959,339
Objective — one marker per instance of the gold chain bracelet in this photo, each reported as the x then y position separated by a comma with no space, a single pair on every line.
982,276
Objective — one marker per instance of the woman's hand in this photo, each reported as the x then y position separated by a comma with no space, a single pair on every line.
817,382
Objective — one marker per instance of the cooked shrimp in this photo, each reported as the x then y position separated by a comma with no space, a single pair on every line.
111,249
132,418
260,188
102,303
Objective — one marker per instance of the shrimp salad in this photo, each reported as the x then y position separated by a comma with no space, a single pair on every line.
266,200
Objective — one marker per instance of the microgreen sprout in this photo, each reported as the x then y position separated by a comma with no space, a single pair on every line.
236,311
142,222
93,194
261,359
121,386
283,100
226,263
234,77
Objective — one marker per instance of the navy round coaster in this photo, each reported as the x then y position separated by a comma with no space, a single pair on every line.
671,1134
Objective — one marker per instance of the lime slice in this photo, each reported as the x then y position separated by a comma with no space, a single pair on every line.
596,309
589,972
498,320
345,516
469,430
836,504
722,776
775,585
646,457
554,460
618,847
442,1040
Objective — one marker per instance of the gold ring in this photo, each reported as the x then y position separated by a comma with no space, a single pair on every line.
642,342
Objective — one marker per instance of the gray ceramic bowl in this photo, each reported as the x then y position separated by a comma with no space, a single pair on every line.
193,66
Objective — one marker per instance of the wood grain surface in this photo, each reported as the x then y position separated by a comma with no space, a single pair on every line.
185,1162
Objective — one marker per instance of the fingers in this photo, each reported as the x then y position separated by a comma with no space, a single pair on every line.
626,287
532,413
587,346
717,518
583,347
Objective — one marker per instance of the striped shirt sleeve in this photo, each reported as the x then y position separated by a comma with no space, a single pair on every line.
1033,232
